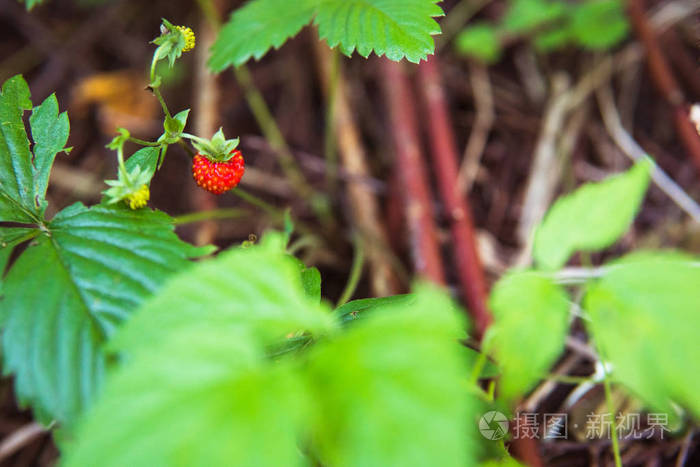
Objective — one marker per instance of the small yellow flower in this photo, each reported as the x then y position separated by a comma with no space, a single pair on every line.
189,37
139,198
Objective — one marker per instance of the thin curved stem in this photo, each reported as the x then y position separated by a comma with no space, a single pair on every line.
358,262
613,428
214,214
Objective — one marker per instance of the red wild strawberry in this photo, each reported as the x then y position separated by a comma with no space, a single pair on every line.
218,177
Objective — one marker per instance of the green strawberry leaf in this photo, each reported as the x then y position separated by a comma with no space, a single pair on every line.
395,28
24,176
591,218
205,367
212,372
530,315
67,293
50,134
311,280
16,177
353,310
256,27
391,391
10,237
202,395
644,319
258,288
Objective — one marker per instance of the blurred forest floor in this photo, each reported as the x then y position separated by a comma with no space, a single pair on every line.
523,143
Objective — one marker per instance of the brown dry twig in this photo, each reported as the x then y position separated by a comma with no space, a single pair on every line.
412,170
664,80
629,146
485,114
20,438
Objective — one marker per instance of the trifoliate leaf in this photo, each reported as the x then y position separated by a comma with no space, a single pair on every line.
530,315
644,318
392,389
480,41
395,28
591,218
258,26
23,176
67,293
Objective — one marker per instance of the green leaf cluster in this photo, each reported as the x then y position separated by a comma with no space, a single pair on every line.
550,24
202,381
80,274
644,319
395,28
641,313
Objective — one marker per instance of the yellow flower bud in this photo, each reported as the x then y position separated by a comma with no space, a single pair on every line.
189,37
139,198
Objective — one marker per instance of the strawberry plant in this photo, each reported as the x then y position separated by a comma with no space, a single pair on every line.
138,348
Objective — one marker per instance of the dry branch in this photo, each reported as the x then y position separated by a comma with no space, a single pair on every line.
412,171
445,156
663,79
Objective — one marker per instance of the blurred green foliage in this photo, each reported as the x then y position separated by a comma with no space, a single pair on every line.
550,25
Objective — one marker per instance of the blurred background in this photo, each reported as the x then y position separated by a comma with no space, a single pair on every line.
541,97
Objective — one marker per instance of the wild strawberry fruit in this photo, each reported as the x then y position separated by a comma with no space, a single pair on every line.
218,177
